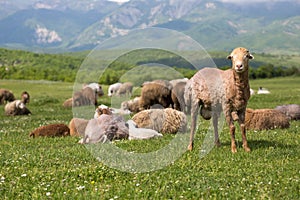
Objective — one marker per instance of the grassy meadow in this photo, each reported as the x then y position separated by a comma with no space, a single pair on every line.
60,168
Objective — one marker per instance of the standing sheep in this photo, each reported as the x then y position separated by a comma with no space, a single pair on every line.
290,110
216,90
86,96
96,87
18,107
112,89
177,95
156,92
6,96
125,89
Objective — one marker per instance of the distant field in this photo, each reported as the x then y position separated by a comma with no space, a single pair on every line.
60,168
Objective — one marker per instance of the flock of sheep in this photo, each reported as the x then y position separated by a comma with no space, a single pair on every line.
163,106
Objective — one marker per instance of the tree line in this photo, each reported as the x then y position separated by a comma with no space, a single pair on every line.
16,64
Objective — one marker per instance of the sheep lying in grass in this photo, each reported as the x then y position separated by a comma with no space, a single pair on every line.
264,119
136,133
102,109
214,89
156,92
18,107
105,128
51,130
166,120
6,96
290,110
77,127
132,105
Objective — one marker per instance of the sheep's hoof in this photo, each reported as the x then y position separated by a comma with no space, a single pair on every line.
218,143
190,147
247,149
233,149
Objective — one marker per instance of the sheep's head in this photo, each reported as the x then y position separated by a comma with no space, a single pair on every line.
240,57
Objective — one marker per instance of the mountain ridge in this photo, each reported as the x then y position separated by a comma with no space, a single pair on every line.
69,26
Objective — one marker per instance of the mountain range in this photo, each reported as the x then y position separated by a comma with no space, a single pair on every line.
67,25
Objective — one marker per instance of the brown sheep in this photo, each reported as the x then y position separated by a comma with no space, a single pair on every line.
51,130
84,97
178,96
132,105
6,96
125,89
156,92
264,119
216,90
77,127
166,120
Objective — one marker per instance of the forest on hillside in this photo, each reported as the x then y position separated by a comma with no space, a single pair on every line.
24,65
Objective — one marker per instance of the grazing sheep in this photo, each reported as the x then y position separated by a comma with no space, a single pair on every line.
216,90
132,105
105,128
112,89
51,130
125,89
6,96
77,127
264,119
136,133
156,92
290,110
166,120
18,107
177,95
96,87
86,96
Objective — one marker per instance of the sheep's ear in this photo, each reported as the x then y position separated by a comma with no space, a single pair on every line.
250,56
229,57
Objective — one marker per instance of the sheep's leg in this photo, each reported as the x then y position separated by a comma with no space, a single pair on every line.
194,115
243,130
230,123
216,131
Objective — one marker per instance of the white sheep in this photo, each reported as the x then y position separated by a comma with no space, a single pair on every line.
112,89
216,90
262,90
136,133
18,107
96,87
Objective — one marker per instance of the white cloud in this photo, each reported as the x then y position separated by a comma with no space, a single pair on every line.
119,1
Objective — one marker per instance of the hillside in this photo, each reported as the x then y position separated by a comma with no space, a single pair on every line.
17,64
65,25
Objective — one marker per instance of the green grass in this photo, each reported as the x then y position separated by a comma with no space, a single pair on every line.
59,168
